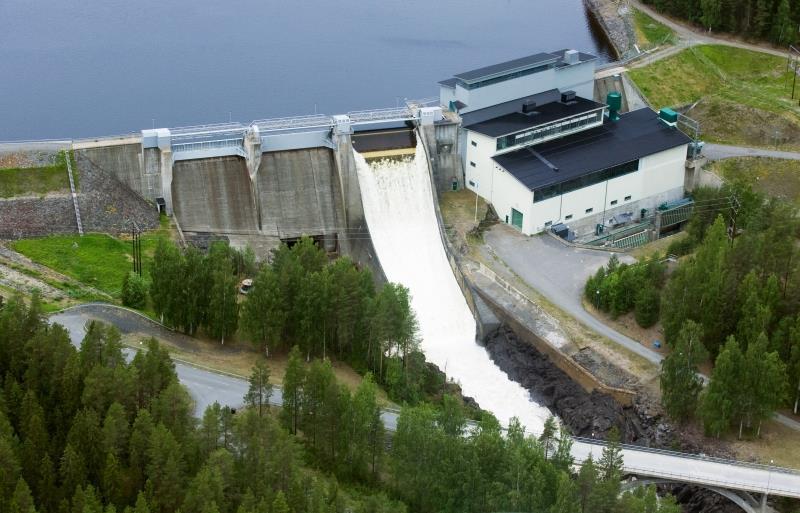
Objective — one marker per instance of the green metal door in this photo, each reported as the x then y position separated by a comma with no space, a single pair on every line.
516,219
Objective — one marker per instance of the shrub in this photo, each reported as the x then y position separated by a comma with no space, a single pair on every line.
134,291
681,247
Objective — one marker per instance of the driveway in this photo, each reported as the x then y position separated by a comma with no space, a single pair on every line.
559,273
723,151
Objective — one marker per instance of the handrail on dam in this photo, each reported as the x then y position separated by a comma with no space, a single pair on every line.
375,115
206,145
292,123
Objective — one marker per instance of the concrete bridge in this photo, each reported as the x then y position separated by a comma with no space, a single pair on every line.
746,484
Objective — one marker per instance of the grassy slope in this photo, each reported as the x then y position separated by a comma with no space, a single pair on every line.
98,260
743,93
775,177
649,32
36,180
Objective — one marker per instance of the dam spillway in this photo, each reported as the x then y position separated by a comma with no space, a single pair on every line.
398,205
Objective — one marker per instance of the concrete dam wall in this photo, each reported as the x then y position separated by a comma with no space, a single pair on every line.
214,195
123,161
297,194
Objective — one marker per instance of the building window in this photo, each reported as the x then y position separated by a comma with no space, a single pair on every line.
549,130
589,210
568,217
548,224
614,202
627,198
474,143
471,183
471,163
551,191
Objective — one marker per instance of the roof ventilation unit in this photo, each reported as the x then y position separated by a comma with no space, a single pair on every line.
529,107
668,116
614,102
572,57
568,96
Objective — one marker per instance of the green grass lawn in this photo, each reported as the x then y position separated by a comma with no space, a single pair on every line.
774,177
743,94
37,180
649,32
98,260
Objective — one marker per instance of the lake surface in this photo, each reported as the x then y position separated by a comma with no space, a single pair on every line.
78,69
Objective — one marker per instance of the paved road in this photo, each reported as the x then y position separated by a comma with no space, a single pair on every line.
722,151
205,386
559,273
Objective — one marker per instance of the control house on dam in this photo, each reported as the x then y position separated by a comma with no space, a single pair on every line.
543,154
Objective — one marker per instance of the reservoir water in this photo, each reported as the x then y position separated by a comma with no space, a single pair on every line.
78,69
398,204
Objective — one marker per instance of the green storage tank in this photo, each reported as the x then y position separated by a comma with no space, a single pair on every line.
614,102
668,115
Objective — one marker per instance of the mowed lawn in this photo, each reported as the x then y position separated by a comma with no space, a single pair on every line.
649,32
98,260
776,178
744,96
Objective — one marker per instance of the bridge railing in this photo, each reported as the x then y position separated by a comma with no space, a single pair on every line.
371,116
208,145
293,123
685,455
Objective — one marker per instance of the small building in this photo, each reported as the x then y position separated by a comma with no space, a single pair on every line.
542,153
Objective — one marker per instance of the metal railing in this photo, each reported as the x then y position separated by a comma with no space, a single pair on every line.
208,145
371,116
293,123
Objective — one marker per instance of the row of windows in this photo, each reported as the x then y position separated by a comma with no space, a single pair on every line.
588,211
549,130
551,191
495,80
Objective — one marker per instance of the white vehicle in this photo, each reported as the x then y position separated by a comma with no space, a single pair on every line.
246,286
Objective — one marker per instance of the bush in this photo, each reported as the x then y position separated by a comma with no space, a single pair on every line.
681,247
647,306
134,291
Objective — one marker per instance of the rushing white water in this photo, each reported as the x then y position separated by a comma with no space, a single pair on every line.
398,205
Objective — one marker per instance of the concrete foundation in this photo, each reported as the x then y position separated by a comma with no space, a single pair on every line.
214,195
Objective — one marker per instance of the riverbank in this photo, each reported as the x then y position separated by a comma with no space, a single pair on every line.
616,20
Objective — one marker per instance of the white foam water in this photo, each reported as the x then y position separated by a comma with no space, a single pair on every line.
398,204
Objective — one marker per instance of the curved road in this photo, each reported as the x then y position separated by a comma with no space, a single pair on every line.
205,386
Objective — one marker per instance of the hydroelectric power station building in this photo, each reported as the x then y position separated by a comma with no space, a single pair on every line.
542,153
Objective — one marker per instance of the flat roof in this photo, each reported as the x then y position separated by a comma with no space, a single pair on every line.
517,121
637,134
522,63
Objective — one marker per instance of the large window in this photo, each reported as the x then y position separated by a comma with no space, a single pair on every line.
551,191
547,131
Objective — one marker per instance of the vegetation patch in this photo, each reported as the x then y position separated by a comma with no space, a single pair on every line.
98,260
21,181
649,32
777,178
737,94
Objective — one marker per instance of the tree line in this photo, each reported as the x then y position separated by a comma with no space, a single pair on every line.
735,299
770,20
85,431
299,297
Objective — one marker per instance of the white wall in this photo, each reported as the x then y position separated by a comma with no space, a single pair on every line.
578,77
481,174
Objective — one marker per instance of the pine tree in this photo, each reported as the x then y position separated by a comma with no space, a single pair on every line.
21,500
293,381
680,383
723,396
260,390
264,311
782,25
223,308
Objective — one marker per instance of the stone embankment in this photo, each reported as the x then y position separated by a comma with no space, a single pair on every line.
616,19
106,204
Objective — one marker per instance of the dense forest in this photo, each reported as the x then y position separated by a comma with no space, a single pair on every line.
299,297
89,431
734,298
776,21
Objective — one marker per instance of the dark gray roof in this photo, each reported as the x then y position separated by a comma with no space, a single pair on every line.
516,121
636,135
450,82
501,109
537,59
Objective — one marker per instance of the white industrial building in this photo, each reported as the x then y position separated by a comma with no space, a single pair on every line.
542,153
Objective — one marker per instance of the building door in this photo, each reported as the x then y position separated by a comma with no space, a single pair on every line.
516,219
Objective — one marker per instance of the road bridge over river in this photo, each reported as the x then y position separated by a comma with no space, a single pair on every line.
736,480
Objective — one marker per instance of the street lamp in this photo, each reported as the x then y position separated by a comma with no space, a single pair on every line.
597,299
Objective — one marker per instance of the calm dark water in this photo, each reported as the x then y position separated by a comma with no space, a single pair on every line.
75,69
